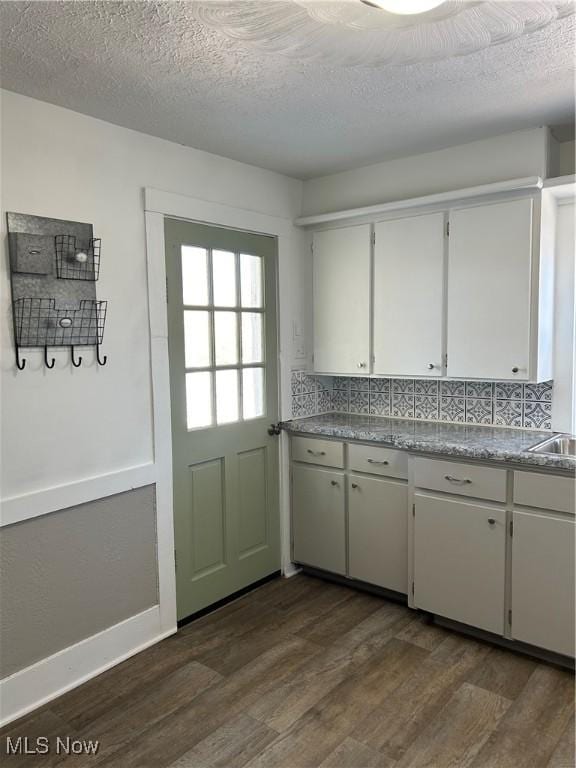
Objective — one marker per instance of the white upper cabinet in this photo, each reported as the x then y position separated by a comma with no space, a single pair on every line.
342,300
408,296
493,292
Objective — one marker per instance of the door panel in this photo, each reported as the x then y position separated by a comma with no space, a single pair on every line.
224,394
543,581
459,561
378,532
489,278
318,518
208,523
409,296
252,500
342,300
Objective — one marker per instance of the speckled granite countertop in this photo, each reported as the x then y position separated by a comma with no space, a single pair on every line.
471,442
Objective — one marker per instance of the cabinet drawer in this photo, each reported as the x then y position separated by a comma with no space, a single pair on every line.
544,491
461,479
324,452
378,461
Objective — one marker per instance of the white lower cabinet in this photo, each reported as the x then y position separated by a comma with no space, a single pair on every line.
319,518
377,531
543,581
459,560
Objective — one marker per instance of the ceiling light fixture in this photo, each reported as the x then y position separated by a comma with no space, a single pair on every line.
404,7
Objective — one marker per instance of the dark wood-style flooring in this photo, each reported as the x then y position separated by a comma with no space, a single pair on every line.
302,673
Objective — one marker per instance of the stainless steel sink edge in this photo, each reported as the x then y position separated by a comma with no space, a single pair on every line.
562,444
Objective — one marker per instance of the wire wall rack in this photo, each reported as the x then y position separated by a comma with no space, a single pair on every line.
77,260
54,266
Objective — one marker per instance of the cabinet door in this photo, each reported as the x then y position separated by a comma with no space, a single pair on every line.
378,532
408,296
489,277
318,518
342,300
459,555
543,581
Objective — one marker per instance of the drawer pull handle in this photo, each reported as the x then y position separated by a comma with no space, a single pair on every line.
354,485
457,480
334,482
375,461
316,453
491,521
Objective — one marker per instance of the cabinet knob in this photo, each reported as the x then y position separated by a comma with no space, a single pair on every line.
515,369
354,485
333,482
361,365
457,480
315,453
431,366
491,521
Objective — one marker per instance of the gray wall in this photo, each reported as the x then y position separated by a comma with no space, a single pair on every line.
70,574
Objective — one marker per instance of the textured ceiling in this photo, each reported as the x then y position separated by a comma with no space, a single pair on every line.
156,68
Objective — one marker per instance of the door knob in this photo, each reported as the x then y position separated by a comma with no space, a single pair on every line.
274,429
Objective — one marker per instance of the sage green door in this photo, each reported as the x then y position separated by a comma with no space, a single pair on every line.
223,375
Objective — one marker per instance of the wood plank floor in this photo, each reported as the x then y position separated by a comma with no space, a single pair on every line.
302,673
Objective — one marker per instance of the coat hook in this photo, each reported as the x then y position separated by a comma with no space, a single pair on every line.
74,363
100,362
20,364
46,363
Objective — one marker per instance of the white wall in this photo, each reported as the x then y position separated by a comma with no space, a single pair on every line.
65,424
480,162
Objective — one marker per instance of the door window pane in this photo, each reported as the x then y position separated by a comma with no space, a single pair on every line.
194,275
252,348
252,393
224,277
198,399
196,339
226,396
251,280
226,338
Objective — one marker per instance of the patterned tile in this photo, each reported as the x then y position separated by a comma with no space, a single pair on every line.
380,403
403,405
426,387
478,410
508,413
537,415
452,388
303,405
479,389
341,382
340,400
507,391
379,385
452,409
359,383
296,383
359,402
405,386
538,392
309,383
324,401
426,407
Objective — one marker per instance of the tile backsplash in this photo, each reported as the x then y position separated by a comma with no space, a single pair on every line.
466,402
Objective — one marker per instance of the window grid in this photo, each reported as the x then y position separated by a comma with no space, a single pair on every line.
239,311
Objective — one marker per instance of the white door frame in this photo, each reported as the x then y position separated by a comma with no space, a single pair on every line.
157,206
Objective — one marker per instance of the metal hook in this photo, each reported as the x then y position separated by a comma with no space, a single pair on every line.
46,363
20,364
100,362
74,363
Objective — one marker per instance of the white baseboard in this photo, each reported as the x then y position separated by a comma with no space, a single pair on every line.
49,678
291,570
